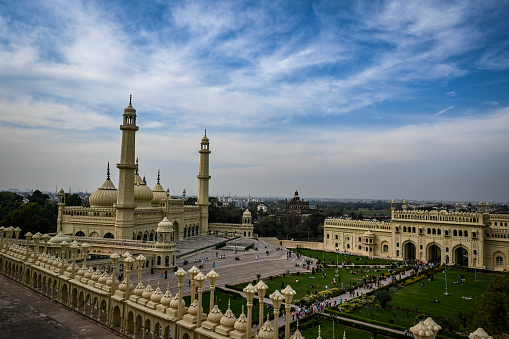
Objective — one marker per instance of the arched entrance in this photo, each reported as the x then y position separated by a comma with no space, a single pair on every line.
461,256
434,254
409,252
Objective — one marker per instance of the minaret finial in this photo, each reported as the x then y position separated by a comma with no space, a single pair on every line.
144,180
130,99
136,165
205,132
108,172
158,175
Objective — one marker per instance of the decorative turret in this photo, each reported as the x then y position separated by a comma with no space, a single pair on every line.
61,204
246,217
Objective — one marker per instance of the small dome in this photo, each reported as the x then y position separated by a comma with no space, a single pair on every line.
57,239
175,303
148,292
103,278
165,226
267,331
106,195
158,192
89,273
228,319
241,323
167,297
156,296
96,276
215,315
142,193
193,308
139,289
246,214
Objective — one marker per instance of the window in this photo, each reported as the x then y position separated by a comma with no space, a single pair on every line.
465,234
360,247
404,228
455,233
499,261
397,244
474,235
446,233
460,233
327,236
413,229
447,249
336,237
420,247
347,245
336,244
439,231
429,230
386,248
360,239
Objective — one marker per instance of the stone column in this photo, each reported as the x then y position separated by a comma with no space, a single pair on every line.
192,273
46,238
261,288
37,239
181,274
200,280
28,237
288,292
85,248
250,292
212,276
17,230
276,298
74,253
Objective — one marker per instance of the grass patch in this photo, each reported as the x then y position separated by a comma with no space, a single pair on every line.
330,258
327,331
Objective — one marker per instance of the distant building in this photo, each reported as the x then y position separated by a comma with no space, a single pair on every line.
474,239
298,206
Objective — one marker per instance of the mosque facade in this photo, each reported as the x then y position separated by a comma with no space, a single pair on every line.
133,210
474,239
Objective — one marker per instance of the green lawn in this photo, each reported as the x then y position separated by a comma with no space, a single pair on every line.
421,298
330,258
413,299
317,281
339,329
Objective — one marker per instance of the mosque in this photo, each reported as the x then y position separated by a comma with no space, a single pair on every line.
133,211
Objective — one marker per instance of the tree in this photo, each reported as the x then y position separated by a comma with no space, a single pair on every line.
72,199
9,201
492,311
33,218
383,297
38,197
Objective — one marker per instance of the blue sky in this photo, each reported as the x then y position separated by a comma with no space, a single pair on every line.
339,99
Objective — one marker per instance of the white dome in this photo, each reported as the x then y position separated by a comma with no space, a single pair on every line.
142,193
105,196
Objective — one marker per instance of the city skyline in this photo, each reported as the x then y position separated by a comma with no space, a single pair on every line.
339,100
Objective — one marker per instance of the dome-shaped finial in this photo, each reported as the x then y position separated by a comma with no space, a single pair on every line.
158,175
108,172
130,99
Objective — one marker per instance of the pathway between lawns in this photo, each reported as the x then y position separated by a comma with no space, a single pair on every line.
343,296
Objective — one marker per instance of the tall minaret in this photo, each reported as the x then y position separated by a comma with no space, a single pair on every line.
203,185
124,221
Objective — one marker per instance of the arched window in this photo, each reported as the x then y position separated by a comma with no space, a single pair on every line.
386,248
109,236
404,228
336,237
474,235
429,230
465,234
499,261
434,231
439,231
413,229
336,245
347,245
454,233
460,233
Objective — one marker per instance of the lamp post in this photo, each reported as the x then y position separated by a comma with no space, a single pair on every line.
17,230
181,274
337,259
288,292
114,259
28,237
36,238
192,273
261,288
128,262
276,298
63,245
250,291
445,272
200,280
74,251
212,276
86,247
140,260
46,238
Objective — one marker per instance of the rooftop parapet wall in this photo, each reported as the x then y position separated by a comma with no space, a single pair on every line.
473,218
372,225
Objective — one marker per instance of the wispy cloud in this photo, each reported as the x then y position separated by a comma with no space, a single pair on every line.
444,111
